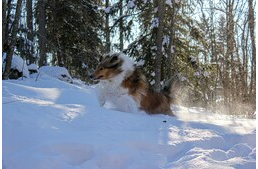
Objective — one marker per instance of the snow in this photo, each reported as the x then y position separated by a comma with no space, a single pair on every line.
140,62
60,73
172,49
196,73
33,66
201,72
107,10
154,48
84,66
205,74
155,22
49,124
166,40
17,63
177,1
168,2
131,4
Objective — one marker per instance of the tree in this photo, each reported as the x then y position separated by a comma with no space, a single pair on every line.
107,28
30,31
4,21
72,34
159,38
253,66
121,26
12,41
42,33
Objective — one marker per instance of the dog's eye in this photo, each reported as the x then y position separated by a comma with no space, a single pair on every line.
101,68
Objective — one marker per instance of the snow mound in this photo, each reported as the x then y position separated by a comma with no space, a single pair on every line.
50,124
60,73
17,64
33,67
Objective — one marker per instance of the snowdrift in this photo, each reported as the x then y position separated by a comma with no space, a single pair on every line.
50,124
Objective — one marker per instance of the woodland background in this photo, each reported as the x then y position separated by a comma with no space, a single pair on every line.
209,44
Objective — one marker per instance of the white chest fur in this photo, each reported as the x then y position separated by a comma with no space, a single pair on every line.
113,96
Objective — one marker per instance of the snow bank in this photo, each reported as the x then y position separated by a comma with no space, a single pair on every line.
17,63
52,124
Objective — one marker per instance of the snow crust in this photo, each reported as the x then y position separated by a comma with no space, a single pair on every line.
50,124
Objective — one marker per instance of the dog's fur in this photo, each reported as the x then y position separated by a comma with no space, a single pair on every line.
120,71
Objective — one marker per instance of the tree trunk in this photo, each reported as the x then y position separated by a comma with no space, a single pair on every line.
253,64
30,36
42,35
107,31
229,52
243,69
12,41
6,28
159,38
4,22
172,47
121,26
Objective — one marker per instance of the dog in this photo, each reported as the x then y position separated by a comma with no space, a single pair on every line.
118,74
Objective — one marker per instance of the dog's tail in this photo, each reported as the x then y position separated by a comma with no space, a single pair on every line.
172,88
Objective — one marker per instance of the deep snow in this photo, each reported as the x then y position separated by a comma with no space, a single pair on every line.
50,124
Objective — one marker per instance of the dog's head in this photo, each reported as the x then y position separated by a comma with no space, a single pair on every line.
110,66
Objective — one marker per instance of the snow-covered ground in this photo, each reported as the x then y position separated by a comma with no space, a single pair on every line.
50,124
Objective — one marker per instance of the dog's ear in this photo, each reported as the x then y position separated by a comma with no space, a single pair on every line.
114,59
102,57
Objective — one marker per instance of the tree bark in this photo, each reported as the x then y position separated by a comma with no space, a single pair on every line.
107,31
42,34
172,47
30,36
121,27
5,27
252,36
12,41
159,38
228,82
4,22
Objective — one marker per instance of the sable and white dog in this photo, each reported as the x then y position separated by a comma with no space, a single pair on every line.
120,78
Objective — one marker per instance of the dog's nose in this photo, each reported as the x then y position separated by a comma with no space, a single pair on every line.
91,76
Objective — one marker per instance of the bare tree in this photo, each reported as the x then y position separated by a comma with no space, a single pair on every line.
252,36
12,41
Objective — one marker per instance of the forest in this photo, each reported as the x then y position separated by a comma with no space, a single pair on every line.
209,44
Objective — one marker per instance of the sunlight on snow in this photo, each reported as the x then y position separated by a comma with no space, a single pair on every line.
227,122
71,111
52,94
